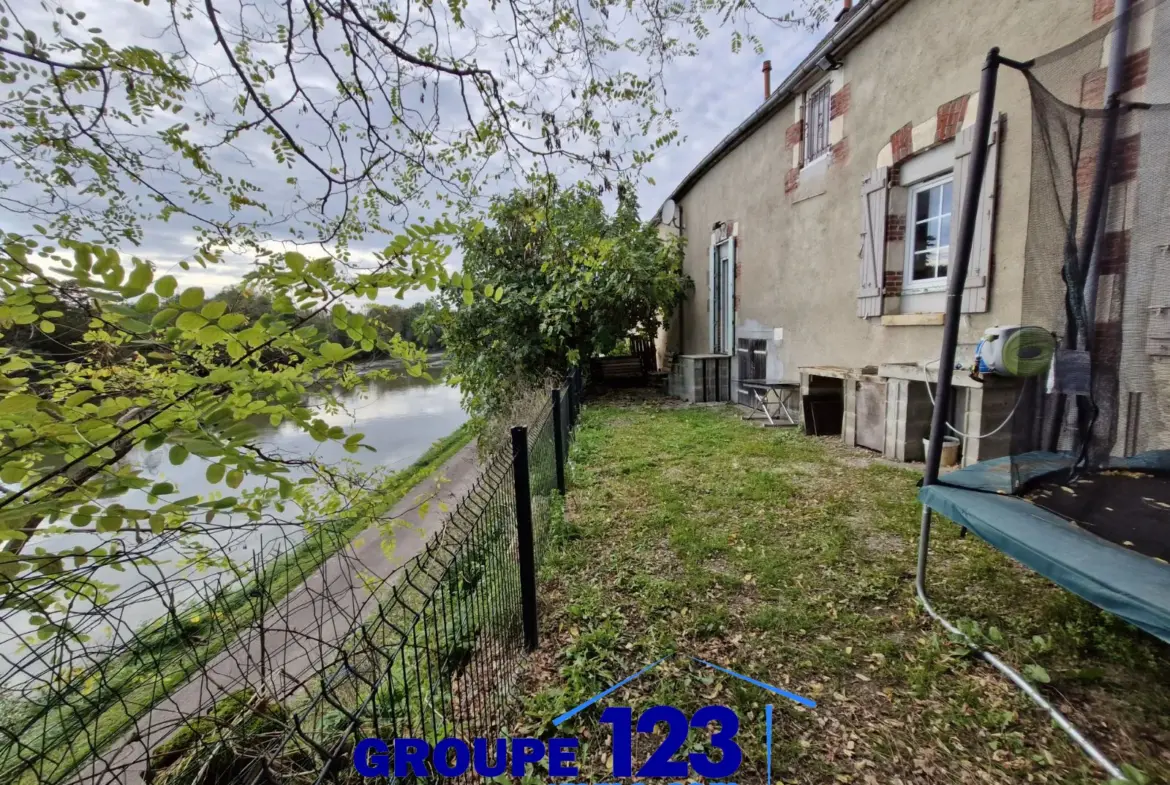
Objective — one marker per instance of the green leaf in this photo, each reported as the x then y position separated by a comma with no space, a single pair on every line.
332,352
213,310
191,298
468,297
166,285
230,321
177,455
140,278
296,261
79,398
47,327
134,326
234,478
12,473
18,403
215,473
147,303
163,318
162,489
1036,673
190,321
154,441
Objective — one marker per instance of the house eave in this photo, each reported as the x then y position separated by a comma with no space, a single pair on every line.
864,18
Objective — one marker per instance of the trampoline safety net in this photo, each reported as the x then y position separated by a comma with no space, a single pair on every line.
1090,429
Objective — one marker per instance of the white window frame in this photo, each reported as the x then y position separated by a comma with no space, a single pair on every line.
827,85
926,284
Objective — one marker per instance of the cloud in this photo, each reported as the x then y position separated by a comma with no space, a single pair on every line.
712,94
709,95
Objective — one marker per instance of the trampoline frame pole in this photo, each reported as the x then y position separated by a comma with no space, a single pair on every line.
1007,670
957,274
956,278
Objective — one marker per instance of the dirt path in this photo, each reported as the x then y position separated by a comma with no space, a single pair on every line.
304,630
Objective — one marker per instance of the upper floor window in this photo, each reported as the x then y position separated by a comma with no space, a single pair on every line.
928,242
816,122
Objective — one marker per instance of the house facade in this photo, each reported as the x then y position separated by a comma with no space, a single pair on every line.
818,232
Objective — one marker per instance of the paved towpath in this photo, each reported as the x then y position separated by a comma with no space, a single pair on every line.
303,630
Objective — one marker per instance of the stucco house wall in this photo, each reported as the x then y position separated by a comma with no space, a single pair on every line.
798,229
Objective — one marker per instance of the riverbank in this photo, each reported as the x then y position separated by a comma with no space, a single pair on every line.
112,694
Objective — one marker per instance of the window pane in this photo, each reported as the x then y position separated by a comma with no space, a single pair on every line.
933,236
944,232
922,207
935,201
923,265
921,236
946,197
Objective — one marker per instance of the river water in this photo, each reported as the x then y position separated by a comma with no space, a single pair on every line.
400,418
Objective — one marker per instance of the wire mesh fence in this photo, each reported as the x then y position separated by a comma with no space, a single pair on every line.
275,676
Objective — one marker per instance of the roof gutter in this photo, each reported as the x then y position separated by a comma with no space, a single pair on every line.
864,15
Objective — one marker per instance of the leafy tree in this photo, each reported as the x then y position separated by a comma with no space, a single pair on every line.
171,120
566,281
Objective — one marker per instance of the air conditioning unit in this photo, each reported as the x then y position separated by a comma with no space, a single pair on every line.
701,378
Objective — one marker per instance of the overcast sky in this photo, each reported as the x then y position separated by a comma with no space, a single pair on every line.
715,92
710,95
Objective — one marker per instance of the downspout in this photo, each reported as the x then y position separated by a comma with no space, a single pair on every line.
1089,251
1095,212
1114,82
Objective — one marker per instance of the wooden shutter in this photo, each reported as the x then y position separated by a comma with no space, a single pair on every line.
873,242
979,269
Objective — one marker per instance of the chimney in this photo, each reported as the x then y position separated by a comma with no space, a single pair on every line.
767,79
846,5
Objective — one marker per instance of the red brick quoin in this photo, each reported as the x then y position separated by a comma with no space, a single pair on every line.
839,153
950,118
1102,9
893,283
1125,158
1115,252
1137,71
791,180
839,102
793,134
901,143
895,229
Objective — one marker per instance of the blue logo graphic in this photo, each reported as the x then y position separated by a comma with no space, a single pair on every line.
453,757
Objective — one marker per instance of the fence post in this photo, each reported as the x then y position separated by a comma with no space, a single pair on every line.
558,439
524,535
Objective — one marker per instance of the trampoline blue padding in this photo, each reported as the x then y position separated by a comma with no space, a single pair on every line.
1121,581
996,475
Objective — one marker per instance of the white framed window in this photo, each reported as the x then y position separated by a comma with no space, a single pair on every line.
816,122
928,233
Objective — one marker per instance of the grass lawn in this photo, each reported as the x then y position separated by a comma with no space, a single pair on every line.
791,559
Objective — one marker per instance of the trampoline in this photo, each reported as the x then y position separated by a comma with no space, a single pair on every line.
1128,580
1082,496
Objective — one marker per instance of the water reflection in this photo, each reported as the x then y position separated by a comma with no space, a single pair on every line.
400,418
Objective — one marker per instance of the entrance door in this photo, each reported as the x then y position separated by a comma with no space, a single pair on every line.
722,288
